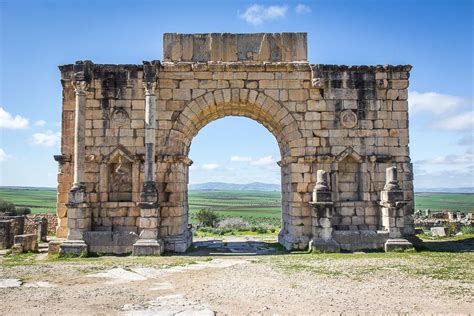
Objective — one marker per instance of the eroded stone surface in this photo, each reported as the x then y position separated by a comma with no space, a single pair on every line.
176,304
133,125
120,275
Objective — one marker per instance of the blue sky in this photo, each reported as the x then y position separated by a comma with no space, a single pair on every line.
436,37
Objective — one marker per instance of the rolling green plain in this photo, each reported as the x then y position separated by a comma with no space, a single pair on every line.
249,204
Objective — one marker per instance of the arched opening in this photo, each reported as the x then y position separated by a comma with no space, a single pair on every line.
235,176
173,162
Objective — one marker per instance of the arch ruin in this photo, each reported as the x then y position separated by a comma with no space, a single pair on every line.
347,180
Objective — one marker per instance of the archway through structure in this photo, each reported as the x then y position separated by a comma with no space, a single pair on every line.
210,107
235,173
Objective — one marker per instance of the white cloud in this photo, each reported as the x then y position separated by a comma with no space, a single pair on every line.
434,102
467,158
257,14
453,178
210,166
264,161
302,9
40,123
47,139
3,155
14,122
240,159
457,122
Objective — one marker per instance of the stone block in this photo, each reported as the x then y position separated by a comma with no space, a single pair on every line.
25,243
398,244
148,247
324,245
439,231
107,242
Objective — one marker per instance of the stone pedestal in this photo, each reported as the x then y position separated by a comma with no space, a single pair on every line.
324,245
73,247
392,213
322,215
396,244
148,247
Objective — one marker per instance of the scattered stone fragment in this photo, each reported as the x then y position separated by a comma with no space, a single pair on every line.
438,231
119,275
9,283
176,304
40,284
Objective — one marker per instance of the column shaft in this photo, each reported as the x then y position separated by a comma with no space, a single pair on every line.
150,132
79,133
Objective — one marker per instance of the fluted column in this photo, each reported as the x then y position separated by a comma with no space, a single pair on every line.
79,133
150,133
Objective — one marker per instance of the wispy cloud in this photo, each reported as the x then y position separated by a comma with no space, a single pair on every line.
240,159
302,9
47,139
40,123
210,166
7,120
3,155
434,102
457,122
467,158
258,14
264,161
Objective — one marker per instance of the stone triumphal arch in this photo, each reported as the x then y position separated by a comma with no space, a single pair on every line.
346,175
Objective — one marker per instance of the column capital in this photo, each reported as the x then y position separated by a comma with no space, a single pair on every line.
150,87
80,87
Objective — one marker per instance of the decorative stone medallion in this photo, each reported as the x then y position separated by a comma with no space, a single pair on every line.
348,119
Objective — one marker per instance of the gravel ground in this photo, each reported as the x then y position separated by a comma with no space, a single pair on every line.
237,284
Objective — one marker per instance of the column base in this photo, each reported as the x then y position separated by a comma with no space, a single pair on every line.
397,244
148,247
324,245
292,242
73,248
178,243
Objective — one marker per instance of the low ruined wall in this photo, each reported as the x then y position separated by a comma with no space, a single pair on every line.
31,223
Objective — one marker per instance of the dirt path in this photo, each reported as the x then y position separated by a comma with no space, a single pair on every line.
240,284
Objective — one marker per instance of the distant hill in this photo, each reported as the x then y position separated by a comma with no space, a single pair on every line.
220,186
446,190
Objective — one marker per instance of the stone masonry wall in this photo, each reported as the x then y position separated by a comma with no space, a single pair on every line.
351,121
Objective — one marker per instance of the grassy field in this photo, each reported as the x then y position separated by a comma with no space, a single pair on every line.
443,201
40,200
254,205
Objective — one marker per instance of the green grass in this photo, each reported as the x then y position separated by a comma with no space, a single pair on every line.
444,201
40,200
254,206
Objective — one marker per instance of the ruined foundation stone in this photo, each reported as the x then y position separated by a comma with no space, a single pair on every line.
25,243
127,130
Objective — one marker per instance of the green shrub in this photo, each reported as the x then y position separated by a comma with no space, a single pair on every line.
7,207
207,217
451,228
23,211
467,230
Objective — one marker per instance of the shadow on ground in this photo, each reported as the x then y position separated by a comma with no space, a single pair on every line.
219,247
465,245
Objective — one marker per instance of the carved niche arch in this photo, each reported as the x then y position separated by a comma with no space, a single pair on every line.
348,176
119,176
